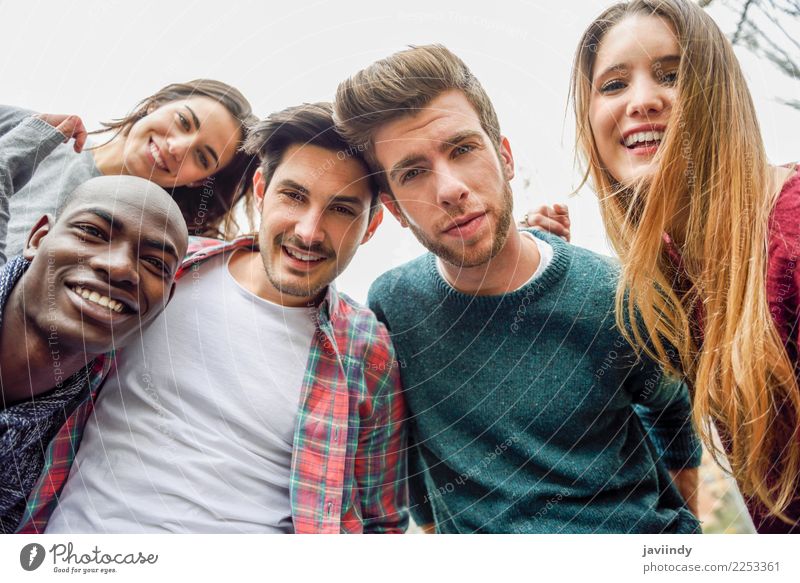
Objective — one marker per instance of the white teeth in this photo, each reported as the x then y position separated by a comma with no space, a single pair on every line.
642,137
302,256
96,298
157,157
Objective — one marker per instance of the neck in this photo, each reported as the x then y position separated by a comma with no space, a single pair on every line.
507,271
110,157
247,268
37,364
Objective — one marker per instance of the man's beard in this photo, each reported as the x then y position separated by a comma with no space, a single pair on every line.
302,289
463,259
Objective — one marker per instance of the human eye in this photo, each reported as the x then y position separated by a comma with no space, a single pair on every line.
292,195
669,78
612,85
463,149
343,210
203,160
86,230
157,263
182,119
410,174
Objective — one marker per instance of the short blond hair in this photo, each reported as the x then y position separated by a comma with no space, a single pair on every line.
399,86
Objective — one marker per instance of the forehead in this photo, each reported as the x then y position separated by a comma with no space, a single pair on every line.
638,36
133,217
324,173
445,115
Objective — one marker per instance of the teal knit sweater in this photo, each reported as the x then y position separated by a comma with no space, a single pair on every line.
523,407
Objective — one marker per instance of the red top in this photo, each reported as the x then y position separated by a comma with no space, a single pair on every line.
783,295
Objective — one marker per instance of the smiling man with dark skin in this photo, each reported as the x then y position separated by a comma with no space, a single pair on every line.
87,280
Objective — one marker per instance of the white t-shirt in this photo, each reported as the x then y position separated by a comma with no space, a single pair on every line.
194,432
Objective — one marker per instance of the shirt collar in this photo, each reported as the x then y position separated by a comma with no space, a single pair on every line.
201,249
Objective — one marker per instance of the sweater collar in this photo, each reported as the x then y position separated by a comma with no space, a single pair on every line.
10,274
555,271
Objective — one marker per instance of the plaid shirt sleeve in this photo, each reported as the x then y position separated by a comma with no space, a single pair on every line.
382,444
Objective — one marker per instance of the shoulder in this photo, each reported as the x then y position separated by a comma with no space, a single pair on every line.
202,248
10,116
783,220
367,338
583,267
358,320
399,278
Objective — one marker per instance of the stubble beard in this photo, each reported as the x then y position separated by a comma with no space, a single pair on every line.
461,258
298,290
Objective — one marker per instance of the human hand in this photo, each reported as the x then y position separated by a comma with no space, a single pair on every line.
687,481
553,219
71,126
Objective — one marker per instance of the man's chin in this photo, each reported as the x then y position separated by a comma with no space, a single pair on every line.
87,341
463,256
297,291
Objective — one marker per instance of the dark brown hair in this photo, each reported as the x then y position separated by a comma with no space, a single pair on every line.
307,124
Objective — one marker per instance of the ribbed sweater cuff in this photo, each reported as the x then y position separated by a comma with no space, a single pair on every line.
43,130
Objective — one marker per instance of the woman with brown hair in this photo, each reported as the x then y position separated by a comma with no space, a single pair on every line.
186,138
707,232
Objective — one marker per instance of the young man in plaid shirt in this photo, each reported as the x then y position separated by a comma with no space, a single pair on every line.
262,400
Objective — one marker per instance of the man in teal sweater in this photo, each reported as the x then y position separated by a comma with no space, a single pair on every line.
529,411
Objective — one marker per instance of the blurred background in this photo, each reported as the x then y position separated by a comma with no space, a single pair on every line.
97,58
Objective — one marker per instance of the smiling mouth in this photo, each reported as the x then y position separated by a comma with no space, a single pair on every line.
304,256
157,156
101,300
639,140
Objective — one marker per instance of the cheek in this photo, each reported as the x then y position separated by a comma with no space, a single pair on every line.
275,221
603,124
157,291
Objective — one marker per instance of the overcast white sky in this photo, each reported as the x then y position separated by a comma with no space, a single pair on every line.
97,58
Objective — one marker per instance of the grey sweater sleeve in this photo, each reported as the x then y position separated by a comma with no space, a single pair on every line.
21,151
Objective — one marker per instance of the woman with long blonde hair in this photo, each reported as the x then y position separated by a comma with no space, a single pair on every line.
707,232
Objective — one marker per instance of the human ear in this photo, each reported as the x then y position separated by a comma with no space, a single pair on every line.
374,222
259,188
506,158
390,203
42,227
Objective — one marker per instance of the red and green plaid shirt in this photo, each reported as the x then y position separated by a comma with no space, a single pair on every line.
349,460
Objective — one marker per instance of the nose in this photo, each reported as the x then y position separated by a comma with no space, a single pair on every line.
450,189
118,265
177,146
648,97
308,228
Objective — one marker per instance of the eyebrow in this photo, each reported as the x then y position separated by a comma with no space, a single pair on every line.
161,245
446,144
208,148
292,184
106,216
164,246
354,200
667,59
